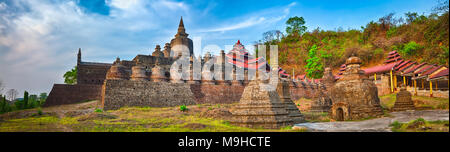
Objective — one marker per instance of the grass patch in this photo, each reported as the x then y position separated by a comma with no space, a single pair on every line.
316,116
132,119
420,125
420,102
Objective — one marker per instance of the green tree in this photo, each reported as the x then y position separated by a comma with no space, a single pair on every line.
295,26
314,67
70,77
4,105
42,98
25,100
410,49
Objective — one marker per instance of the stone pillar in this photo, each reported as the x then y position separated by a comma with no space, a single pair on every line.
191,72
235,82
221,80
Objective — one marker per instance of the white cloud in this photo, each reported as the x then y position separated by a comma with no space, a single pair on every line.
249,22
262,18
39,38
38,44
2,6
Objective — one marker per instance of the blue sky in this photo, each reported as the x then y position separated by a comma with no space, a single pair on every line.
39,38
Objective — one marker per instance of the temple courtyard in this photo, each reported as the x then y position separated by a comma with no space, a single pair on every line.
432,116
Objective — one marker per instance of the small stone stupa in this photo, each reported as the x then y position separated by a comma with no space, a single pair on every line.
285,96
158,74
354,95
260,107
117,71
158,52
404,101
138,73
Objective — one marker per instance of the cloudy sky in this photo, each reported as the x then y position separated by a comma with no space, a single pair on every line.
39,38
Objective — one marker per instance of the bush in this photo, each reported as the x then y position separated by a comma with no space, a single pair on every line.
183,108
4,106
396,125
39,112
410,49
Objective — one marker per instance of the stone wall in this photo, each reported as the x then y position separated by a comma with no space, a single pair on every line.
302,90
436,93
68,94
156,94
92,73
216,94
121,93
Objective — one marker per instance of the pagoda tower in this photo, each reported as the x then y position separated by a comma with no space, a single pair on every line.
181,43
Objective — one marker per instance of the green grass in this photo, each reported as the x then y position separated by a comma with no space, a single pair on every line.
133,119
388,101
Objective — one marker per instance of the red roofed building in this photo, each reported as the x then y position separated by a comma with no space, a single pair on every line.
240,57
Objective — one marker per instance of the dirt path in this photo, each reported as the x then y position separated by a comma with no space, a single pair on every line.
376,125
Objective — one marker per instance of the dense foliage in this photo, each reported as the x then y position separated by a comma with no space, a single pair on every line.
27,102
422,38
70,77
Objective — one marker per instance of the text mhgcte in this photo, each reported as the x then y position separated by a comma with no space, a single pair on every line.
226,142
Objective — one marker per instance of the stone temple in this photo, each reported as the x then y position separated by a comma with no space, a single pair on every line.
354,95
150,80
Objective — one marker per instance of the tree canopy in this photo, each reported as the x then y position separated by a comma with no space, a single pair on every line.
70,77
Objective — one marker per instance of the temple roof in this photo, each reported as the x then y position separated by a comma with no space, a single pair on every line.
402,64
181,29
96,63
414,68
426,68
393,59
431,70
410,64
440,74
380,69
240,57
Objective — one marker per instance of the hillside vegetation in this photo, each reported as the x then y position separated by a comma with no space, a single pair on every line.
422,38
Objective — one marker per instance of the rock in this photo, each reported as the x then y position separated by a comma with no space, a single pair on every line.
299,128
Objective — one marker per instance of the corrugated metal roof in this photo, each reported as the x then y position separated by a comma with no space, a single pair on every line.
410,64
432,70
380,69
392,52
393,60
415,68
427,67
